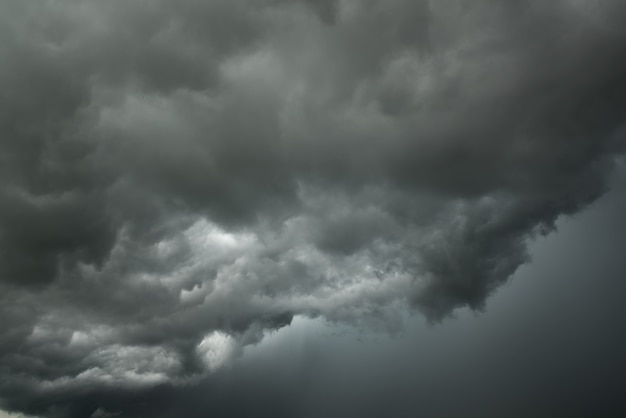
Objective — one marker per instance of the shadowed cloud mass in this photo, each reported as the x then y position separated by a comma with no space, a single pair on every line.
178,178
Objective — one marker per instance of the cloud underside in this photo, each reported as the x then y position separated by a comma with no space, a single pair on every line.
178,177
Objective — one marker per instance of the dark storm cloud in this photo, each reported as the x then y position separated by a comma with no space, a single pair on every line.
179,177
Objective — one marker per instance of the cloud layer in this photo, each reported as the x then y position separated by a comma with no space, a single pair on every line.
178,177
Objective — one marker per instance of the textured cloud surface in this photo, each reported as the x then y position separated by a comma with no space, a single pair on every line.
178,177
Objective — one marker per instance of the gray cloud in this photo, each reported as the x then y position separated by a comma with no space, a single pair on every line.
179,177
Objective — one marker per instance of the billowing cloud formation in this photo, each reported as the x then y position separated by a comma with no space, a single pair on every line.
179,176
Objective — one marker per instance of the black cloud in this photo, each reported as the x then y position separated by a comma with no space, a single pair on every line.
179,177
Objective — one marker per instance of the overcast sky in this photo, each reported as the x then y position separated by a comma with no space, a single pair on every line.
312,208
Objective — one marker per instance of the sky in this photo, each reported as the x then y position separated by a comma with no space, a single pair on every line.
306,208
